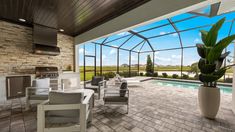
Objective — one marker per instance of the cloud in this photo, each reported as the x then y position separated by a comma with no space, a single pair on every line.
162,33
104,57
123,33
174,34
199,34
112,51
133,58
176,56
162,58
196,40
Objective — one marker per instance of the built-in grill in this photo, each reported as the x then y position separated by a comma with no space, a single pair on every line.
46,72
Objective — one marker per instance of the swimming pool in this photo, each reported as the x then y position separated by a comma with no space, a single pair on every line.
188,85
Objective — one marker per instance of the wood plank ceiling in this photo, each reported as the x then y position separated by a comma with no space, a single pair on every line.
74,16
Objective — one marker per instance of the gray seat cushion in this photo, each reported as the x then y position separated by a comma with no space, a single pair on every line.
96,79
53,120
38,97
64,116
92,87
116,98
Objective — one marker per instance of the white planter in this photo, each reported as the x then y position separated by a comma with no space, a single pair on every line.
209,101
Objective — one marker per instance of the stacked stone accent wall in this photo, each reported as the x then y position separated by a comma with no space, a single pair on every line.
16,51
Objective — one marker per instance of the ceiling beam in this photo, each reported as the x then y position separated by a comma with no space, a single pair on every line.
154,10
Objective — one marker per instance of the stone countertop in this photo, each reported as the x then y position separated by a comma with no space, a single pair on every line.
16,75
10,75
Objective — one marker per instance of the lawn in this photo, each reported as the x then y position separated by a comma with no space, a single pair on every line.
142,68
90,69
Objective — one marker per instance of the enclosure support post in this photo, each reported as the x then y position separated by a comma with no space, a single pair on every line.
118,60
101,59
95,59
153,60
182,61
84,63
138,62
129,63
181,45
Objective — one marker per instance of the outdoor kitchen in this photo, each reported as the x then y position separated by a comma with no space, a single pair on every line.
27,53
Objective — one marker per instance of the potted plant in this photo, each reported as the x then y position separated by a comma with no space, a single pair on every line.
212,56
68,69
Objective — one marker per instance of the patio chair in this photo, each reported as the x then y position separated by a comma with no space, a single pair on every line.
130,81
64,112
95,84
117,96
38,92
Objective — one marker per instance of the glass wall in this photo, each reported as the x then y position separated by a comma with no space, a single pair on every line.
109,59
168,62
143,61
171,43
134,62
123,61
190,63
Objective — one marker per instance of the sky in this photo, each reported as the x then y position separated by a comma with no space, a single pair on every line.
169,57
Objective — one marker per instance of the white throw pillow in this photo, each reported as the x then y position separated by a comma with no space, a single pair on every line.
70,83
41,83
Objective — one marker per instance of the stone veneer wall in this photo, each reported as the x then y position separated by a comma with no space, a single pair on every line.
16,51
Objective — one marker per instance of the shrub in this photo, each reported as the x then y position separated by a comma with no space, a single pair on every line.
228,80
148,74
175,76
124,74
141,74
164,74
196,77
108,75
155,74
133,74
185,76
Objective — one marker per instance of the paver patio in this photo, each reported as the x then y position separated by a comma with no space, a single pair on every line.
152,109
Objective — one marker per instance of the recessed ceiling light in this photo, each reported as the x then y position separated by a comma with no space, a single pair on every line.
61,30
22,20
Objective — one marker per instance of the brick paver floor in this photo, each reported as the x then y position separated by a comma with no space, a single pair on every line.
152,109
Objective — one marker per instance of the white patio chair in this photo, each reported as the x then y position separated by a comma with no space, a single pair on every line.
117,96
38,92
64,112
130,81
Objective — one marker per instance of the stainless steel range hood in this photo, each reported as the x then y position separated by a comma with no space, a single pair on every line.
45,40
46,50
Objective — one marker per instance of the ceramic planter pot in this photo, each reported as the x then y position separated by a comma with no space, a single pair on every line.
209,101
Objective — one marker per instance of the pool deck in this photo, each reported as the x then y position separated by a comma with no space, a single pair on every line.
152,109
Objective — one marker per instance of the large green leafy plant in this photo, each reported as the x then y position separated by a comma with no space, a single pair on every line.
212,56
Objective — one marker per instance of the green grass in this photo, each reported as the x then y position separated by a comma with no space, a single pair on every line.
88,75
142,68
90,69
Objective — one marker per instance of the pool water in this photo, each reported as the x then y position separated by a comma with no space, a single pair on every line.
188,85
